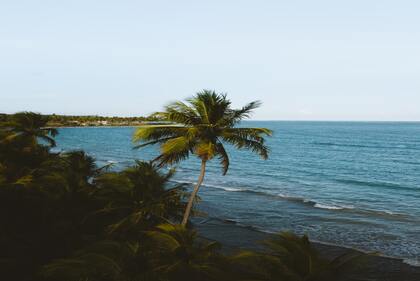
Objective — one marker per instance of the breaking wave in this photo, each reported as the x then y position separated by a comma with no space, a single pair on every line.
309,202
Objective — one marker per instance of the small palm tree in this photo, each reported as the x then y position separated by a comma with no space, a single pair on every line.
201,126
20,152
180,254
30,126
138,197
292,258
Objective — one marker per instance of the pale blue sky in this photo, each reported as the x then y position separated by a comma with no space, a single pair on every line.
306,60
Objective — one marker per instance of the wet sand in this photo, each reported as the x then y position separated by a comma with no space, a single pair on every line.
374,268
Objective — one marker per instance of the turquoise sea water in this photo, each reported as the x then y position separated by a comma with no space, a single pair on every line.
352,184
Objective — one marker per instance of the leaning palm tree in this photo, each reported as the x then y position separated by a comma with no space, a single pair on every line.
201,126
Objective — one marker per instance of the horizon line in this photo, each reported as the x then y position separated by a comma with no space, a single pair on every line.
324,120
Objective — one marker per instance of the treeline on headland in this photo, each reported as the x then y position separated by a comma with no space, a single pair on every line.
63,218
56,120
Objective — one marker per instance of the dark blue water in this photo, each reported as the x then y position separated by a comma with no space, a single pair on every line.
347,183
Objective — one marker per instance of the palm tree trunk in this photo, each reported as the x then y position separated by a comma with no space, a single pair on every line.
194,193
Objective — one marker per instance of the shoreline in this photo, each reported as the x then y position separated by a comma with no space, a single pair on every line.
234,237
270,233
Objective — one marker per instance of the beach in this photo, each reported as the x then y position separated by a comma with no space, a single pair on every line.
234,237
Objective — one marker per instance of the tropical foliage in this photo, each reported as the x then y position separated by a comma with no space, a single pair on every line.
63,218
53,204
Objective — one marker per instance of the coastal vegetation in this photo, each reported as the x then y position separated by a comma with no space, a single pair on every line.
63,218
56,120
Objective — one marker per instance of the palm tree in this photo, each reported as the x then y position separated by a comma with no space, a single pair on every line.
137,198
201,126
20,152
30,126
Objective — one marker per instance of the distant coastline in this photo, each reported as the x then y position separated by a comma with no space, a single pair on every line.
76,121
69,121
99,125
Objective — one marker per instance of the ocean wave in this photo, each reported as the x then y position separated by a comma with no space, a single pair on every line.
412,262
311,202
388,185
316,204
236,222
407,162
328,207
398,146
225,188
56,150
230,189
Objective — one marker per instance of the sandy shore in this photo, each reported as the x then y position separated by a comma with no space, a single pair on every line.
234,237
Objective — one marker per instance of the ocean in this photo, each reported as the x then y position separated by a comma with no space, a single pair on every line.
354,184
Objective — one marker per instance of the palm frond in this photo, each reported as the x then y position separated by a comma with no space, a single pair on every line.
158,141
172,156
210,106
48,140
157,132
250,133
179,112
247,143
234,116
100,261
223,156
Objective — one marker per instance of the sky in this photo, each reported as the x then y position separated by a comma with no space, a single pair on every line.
305,60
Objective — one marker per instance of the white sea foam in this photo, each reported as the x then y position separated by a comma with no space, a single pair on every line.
183,182
412,262
233,189
328,207
294,198
284,195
